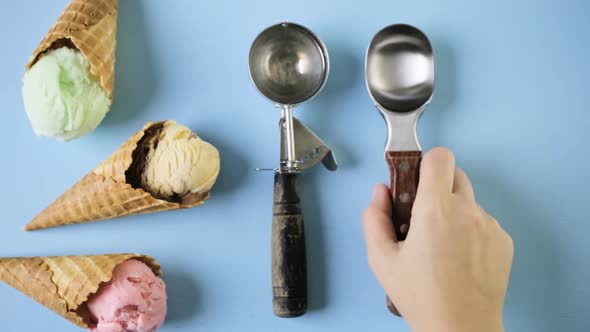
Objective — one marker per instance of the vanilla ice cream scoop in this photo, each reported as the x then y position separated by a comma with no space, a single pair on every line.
179,163
62,98
134,300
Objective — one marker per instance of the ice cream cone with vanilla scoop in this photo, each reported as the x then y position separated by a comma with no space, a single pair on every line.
68,85
102,293
164,166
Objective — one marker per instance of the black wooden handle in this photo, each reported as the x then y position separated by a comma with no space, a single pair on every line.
289,267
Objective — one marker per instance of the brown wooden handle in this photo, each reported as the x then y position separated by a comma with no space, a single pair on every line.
404,168
289,267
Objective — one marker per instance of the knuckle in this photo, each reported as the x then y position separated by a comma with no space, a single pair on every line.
475,213
482,211
442,154
367,215
492,220
509,241
460,171
487,217
433,211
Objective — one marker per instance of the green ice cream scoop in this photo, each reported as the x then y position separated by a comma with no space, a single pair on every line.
62,97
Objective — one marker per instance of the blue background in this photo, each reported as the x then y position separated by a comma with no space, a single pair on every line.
512,81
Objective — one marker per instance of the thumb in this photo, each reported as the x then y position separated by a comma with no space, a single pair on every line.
382,246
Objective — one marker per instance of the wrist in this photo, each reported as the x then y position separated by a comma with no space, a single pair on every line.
467,325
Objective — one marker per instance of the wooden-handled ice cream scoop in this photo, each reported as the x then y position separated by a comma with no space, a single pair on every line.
400,79
289,65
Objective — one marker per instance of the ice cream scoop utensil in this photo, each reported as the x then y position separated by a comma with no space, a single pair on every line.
400,78
289,65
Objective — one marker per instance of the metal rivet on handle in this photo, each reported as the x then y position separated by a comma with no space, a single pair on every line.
404,228
404,197
404,166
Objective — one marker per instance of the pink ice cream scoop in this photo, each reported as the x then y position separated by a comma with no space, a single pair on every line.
133,301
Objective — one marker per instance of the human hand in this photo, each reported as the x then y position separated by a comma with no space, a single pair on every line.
451,273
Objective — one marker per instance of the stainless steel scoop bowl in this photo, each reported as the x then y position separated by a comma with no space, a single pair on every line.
400,69
288,64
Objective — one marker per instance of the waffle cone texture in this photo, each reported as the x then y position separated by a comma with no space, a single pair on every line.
110,191
89,26
64,284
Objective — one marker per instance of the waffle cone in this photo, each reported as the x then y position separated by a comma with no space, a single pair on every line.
64,284
89,26
106,193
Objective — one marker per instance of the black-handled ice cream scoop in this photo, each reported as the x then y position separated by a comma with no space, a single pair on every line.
289,65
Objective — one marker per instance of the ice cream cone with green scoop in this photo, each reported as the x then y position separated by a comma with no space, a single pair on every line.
164,166
68,86
103,293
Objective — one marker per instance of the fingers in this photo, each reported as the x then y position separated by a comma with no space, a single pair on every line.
382,199
437,173
462,185
379,234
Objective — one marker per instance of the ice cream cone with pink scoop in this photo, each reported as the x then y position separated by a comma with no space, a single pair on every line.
103,293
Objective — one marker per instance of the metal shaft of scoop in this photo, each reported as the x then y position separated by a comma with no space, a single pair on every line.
287,115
